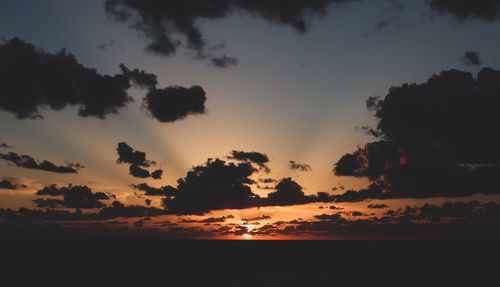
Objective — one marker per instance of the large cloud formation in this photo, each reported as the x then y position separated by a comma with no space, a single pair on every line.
27,161
439,138
169,25
215,185
136,159
32,80
488,10
218,185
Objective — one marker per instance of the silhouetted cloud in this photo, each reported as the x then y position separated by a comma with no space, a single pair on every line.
451,220
167,190
471,210
299,166
377,206
441,154
462,10
214,185
289,192
49,202
253,157
126,154
115,210
27,161
78,196
219,185
209,219
7,184
157,174
140,77
169,25
118,209
136,159
175,103
223,61
137,171
267,180
257,218
471,58
4,145
330,217
32,79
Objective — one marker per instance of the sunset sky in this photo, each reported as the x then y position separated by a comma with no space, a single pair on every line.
277,91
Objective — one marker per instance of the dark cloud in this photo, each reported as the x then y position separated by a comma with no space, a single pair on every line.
4,145
299,166
214,185
209,220
471,210
254,157
32,79
462,10
115,210
257,218
27,161
175,103
223,61
137,160
7,184
219,185
118,209
137,171
377,206
288,192
471,58
126,154
157,174
451,220
140,77
49,202
166,191
452,151
268,180
330,217
78,196
169,25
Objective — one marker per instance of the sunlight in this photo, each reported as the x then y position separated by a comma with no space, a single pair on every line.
247,236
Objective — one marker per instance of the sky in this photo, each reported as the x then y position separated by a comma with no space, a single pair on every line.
276,91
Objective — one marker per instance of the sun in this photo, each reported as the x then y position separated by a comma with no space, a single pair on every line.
247,236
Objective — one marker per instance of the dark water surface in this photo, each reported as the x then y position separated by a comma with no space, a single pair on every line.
247,263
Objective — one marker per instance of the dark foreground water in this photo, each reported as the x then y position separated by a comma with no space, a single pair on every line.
247,263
